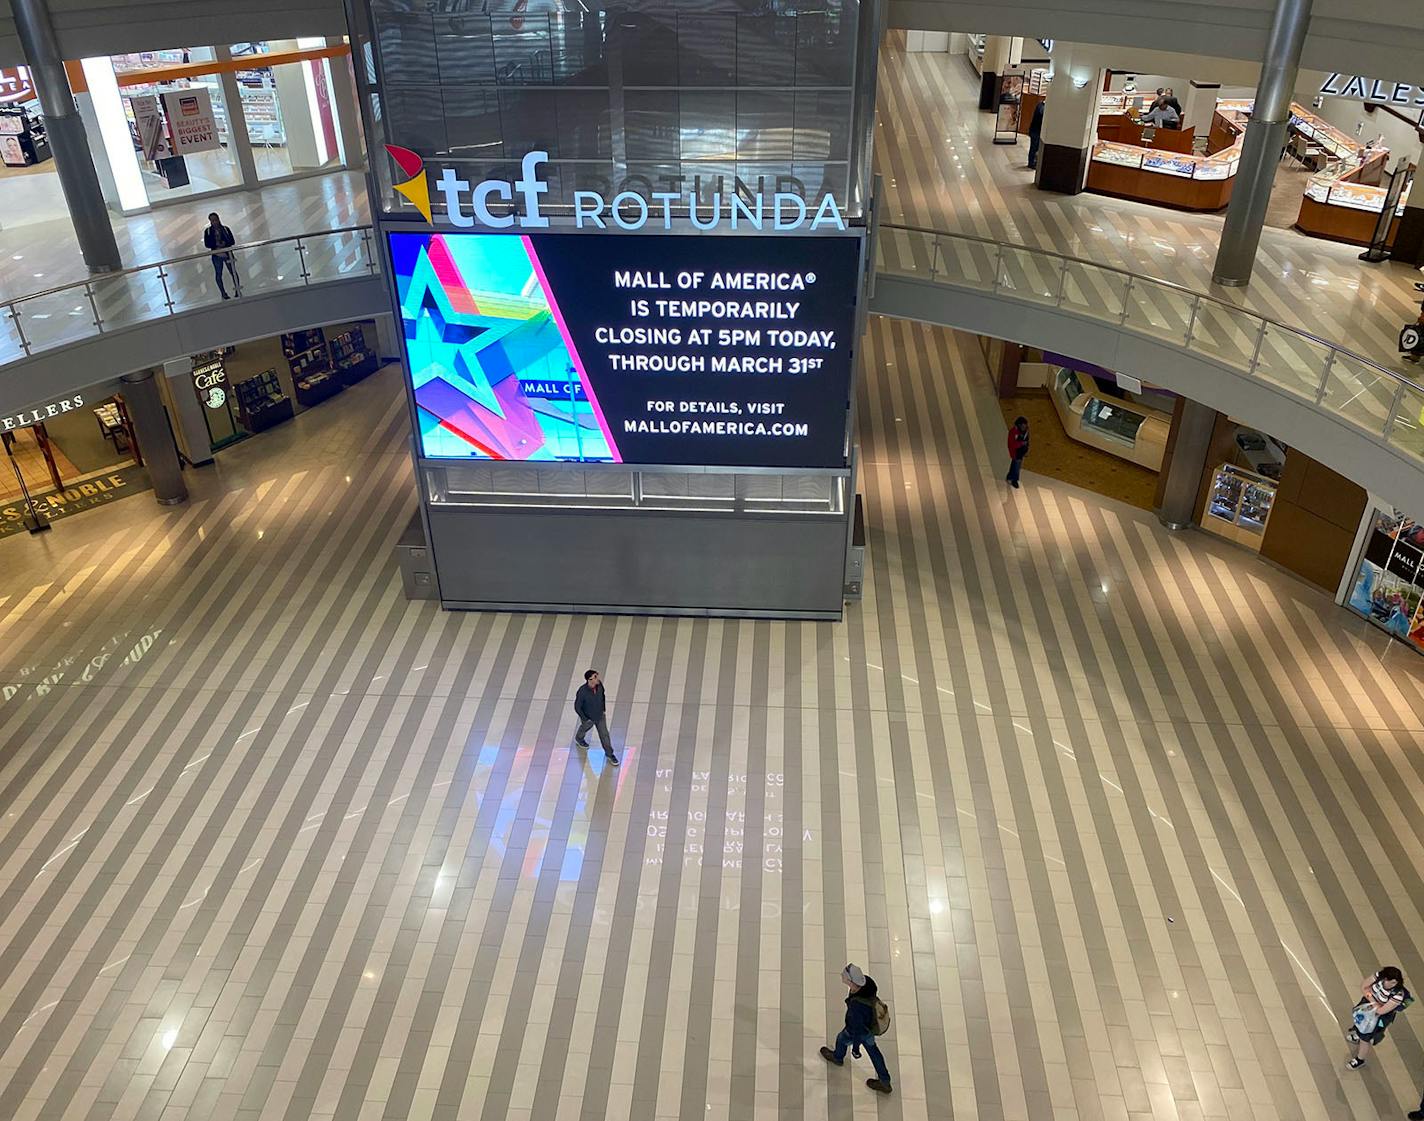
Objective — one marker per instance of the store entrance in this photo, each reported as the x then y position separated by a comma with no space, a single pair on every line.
28,179
84,456
1109,432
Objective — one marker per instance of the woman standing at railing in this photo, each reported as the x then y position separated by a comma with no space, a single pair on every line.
219,237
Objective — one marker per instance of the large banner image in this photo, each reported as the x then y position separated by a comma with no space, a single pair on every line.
724,351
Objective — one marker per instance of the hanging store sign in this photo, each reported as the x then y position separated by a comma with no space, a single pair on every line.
210,381
148,124
1356,87
191,123
15,84
41,414
466,206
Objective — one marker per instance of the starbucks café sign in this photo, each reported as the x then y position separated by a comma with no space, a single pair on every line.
1357,87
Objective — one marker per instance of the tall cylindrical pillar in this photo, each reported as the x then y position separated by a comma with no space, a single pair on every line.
155,438
1261,150
67,138
1184,462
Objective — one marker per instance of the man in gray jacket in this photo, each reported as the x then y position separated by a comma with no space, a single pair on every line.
592,707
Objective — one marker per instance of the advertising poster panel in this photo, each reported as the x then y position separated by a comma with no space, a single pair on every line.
148,123
1389,587
191,123
652,349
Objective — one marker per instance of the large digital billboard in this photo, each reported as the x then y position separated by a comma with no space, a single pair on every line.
650,349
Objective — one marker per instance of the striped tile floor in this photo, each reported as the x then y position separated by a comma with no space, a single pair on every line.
1117,819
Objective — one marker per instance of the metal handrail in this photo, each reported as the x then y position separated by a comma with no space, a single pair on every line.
101,278
12,308
14,311
1191,293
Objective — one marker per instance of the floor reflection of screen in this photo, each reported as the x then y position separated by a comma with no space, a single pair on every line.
744,842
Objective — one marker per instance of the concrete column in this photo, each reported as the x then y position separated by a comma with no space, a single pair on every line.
189,427
927,42
348,112
236,120
1183,464
1409,240
155,438
1070,123
996,61
67,138
1199,105
869,35
388,337
1261,151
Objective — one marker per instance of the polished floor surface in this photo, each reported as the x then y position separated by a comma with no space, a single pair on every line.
45,255
1117,819
941,170
42,256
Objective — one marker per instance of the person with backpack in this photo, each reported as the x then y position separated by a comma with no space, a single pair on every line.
866,1017
1382,995
1018,450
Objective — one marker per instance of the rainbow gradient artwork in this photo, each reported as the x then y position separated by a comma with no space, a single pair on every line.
494,371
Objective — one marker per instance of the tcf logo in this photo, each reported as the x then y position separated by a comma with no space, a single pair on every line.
415,187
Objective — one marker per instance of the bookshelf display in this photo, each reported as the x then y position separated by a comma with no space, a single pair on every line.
261,401
312,376
351,358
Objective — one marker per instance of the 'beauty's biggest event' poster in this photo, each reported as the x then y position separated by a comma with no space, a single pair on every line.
719,351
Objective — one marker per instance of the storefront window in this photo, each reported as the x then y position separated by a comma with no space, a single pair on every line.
291,113
168,130
191,173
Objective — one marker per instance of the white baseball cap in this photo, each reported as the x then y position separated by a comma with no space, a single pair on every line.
852,974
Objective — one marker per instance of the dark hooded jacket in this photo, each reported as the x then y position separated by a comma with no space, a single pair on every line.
860,1010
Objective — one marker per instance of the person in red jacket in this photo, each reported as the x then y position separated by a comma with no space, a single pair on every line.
1018,448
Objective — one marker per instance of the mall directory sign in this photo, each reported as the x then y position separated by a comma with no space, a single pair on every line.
650,349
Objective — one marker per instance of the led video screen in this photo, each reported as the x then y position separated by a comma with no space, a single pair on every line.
649,349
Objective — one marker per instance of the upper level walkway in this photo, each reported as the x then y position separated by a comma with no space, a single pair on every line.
1119,284
43,255
942,171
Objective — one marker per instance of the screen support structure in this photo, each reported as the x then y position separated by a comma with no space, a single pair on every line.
644,532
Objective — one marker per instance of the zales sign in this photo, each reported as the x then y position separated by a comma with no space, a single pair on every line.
466,205
1359,88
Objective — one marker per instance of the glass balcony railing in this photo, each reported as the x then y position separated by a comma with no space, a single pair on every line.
1385,403
75,312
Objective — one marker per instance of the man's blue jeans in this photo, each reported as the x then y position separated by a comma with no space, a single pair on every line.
844,1041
